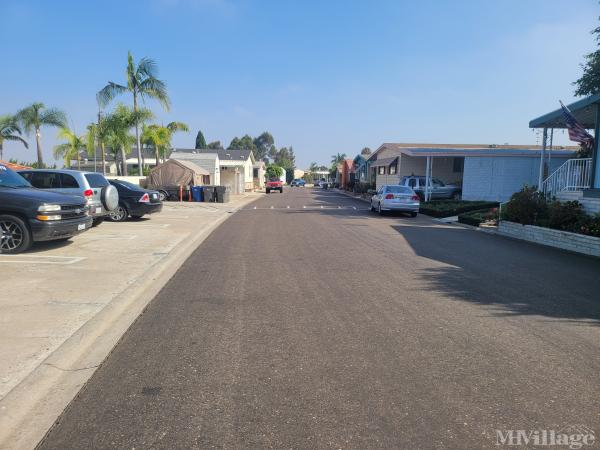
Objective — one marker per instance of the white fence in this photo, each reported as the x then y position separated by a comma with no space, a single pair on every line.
573,175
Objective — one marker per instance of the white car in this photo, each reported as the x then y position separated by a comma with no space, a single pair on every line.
395,198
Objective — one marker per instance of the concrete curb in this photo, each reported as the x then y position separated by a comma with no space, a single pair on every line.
352,196
29,410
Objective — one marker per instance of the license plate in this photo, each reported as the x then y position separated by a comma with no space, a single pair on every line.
98,210
81,226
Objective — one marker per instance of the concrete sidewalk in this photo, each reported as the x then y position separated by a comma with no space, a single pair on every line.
65,305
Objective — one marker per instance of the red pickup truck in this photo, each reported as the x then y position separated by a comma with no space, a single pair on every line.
274,184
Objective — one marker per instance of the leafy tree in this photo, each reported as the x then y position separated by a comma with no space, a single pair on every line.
589,83
245,143
366,151
336,159
71,149
200,141
34,117
10,131
273,171
159,137
216,145
141,82
263,144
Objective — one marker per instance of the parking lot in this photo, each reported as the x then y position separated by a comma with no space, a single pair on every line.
60,298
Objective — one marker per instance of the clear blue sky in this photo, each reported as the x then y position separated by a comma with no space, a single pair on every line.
324,77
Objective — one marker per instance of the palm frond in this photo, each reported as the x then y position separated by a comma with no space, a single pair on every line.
147,68
109,92
53,117
28,117
155,89
178,126
12,137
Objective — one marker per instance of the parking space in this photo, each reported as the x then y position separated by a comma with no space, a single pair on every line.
51,291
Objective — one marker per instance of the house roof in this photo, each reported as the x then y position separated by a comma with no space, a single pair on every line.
384,161
224,155
584,111
13,166
458,150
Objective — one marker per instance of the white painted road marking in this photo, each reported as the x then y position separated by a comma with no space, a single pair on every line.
31,259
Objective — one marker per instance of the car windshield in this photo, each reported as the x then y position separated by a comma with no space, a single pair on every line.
274,179
8,178
399,190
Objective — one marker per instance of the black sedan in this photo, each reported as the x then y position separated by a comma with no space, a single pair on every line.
134,201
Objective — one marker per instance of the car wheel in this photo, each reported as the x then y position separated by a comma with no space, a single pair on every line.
97,221
268,191
163,195
379,210
137,217
110,197
413,214
15,236
119,214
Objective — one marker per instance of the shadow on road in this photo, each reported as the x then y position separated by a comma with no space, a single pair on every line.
514,277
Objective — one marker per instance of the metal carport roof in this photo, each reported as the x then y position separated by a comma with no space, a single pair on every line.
583,110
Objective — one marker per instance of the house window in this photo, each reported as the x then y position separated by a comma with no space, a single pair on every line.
255,173
393,169
458,165
381,170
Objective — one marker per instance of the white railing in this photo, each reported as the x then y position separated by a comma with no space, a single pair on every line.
573,175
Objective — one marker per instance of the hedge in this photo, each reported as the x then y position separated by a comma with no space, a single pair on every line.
447,208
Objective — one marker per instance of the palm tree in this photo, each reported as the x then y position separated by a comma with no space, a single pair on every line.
10,131
159,137
141,83
313,167
34,117
71,149
96,137
336,159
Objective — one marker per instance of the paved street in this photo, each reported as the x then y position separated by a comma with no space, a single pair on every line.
317,324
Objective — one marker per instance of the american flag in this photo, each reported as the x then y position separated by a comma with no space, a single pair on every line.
576,131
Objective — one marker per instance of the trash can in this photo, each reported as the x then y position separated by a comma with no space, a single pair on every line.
197,193
208,193
220,193
227,195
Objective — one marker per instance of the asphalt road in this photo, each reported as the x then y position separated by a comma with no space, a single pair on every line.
317,324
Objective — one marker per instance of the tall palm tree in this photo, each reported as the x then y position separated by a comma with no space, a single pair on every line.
96,138
71,149
141,83
34,117
336,159
10,131
313,167
159,137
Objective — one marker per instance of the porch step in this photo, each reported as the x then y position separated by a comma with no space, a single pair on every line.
591,205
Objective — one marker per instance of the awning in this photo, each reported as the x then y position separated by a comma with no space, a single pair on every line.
384,162
583,110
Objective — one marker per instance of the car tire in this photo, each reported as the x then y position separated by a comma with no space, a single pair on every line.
119,214
379,210
110,197
372,207
15,235
268,191
413,214
97,221
281,191
137,217
163,195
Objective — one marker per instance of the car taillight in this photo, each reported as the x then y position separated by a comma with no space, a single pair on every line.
415,198
145,199
88,193
389,196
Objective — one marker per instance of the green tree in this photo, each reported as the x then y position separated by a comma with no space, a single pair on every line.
200,141
36,116
216,145
263,143
244,143
159,137
589,83
366,151
141,82
71,149
10,131
95,137
273,171
336,159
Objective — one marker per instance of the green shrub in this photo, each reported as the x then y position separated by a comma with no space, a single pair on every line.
527,207
565,216
447,208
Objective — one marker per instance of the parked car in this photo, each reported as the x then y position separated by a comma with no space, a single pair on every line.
437,188
274,184
29,215
322,183
102,198
298,182
134,201
395,198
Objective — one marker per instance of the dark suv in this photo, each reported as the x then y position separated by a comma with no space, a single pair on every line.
28,215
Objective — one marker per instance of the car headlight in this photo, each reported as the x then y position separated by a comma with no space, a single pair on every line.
49,208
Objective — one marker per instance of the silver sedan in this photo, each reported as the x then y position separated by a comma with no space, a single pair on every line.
395,198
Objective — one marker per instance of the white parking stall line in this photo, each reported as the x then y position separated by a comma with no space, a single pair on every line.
124,237
33,259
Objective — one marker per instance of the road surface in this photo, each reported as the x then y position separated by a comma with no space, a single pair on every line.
305,321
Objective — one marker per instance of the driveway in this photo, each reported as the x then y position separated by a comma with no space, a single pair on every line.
305,321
